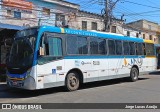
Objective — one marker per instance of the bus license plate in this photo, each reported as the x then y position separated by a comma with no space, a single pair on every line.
14,83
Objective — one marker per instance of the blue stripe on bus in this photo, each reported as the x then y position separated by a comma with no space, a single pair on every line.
100,57
16,75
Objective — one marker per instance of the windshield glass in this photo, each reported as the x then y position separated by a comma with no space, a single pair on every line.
21,54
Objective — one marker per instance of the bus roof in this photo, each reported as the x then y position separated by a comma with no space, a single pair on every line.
88,33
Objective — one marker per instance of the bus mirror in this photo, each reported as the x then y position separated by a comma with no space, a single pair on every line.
41,51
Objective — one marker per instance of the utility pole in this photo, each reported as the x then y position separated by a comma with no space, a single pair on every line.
109,6
106,16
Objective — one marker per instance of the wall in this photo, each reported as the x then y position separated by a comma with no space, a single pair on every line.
154,26
43,19
118,24
27,16
99,22
148,28
132,33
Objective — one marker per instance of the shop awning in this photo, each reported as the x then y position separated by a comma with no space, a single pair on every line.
13,27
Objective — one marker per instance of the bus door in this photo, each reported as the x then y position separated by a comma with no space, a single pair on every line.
158,56
50,62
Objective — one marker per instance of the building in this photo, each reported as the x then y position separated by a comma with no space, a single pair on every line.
91,21
132,32
117,26
147,29
158,34
55,12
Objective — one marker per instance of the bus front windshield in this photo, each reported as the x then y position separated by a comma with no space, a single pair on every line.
21,54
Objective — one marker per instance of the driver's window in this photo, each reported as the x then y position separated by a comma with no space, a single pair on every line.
50,49
54,47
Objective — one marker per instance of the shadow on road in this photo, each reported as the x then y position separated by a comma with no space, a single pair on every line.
107,83
20,93
155,73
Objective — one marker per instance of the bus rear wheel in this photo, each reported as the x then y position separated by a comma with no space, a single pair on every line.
134,74
72,81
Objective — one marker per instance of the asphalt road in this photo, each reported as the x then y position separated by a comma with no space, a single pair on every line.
145,90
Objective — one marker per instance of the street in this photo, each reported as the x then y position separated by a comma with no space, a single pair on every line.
145,90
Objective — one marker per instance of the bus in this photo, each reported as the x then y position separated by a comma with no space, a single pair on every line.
45,56
157,47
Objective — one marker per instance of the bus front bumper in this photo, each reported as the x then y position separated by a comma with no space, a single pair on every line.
28,83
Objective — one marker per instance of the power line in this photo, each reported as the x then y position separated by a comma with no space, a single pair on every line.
141,4
132,13
135,19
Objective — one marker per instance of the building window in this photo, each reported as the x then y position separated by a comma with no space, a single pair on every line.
150,37
149,27
84,25
60,20
9,12
46,11
144,36
113,29
128,33
17,14
94,26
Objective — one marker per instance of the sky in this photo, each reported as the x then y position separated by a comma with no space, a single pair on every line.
133,10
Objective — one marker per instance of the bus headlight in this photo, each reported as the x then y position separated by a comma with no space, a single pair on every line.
28,73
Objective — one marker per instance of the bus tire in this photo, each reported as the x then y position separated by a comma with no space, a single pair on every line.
72,81
134,74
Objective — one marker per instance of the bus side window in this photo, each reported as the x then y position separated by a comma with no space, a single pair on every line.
144,49
140,49
112,47
132,48
76,45
126,48
136,48
149,49
118,47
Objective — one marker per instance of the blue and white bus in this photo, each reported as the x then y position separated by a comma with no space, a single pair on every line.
45,56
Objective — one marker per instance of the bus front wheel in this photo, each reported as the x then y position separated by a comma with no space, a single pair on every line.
134,74
72,81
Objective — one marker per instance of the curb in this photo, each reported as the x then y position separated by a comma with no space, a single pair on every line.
3,86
